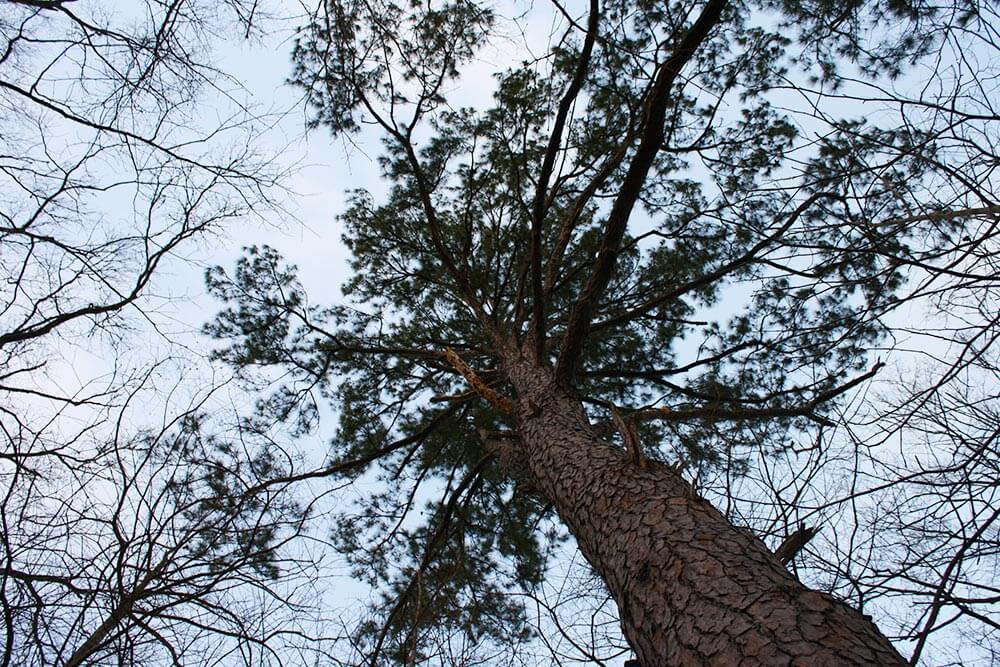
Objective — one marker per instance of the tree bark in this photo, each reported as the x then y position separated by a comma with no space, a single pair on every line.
691,588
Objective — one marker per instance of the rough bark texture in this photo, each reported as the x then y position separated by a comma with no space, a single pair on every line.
691,588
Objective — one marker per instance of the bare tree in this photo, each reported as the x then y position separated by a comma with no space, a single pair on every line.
123,538
166,550
106,167
901,492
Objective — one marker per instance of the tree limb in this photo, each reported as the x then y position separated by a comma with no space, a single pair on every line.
477,383
652,140
541,189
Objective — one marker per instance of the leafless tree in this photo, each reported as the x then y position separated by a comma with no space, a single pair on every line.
904,491
167,550
125,538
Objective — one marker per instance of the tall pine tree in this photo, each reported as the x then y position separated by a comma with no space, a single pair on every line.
632,266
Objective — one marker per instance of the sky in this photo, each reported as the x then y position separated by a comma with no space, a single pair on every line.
305,230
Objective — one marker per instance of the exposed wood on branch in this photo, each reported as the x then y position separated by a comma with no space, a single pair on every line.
633,446
477,383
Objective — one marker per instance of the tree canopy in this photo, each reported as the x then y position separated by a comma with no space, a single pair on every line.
700,216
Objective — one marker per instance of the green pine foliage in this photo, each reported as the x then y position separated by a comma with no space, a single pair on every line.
753,276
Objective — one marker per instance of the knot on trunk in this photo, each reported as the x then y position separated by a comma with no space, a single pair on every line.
508,450
794,543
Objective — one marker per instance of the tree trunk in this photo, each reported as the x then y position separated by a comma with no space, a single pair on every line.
96,638
691,588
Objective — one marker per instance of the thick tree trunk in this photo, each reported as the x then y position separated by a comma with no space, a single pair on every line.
691,588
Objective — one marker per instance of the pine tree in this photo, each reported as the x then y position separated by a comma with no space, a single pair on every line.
533,323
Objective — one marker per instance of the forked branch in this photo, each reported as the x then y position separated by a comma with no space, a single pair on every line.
541,190
638,170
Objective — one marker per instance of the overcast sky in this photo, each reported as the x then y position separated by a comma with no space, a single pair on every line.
308,235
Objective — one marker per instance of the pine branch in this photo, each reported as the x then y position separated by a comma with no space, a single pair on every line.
717,412
477,383
649,146
729,267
